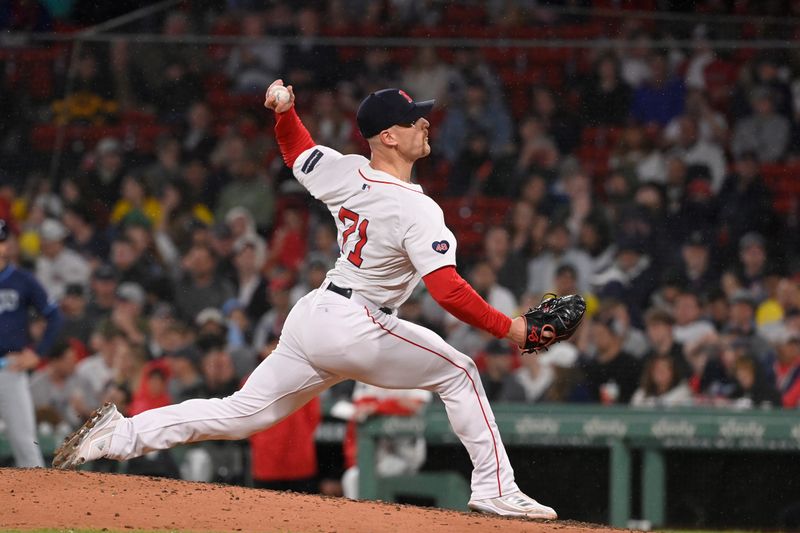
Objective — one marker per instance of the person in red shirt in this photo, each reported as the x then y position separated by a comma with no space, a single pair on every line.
284,457
787,370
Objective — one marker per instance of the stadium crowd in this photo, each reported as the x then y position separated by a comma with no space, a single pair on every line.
633,176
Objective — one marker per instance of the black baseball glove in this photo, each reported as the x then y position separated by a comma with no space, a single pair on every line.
553,320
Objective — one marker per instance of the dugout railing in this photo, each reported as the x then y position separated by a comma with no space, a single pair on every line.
620,430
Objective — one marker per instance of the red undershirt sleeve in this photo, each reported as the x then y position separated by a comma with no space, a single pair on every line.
292,136
456,296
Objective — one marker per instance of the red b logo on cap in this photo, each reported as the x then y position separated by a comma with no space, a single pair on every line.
401,91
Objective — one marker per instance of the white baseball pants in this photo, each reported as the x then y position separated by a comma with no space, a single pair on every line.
17,411
326,339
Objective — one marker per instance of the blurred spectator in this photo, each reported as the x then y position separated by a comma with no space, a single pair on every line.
741,324
95,372
764,132
690,326
637,154
561,125
91,99
476,172
198,138
787,369
249,258
135,203
53,387
718,379
127,313
695,151
753,264
284,457
711,125
217,367
249,188
252,67
508,265
594,238
662,385
312,276
605,99
745,202
77,324
324,247
84,236
201,187
272,321
103,288
634,340
661,97
158,324
631,278
201,287
211,322
185,382
288,246
559,251
125,261
662,342
535,377
59,265
612,375
166,167
222,243
537,151
696,271
476,112
334,125
497,378
752,388
376,70
428,78
152,392
104,179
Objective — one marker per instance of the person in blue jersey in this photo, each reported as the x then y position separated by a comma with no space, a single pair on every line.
20,291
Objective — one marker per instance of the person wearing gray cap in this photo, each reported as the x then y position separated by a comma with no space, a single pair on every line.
764,131
59,266
753,259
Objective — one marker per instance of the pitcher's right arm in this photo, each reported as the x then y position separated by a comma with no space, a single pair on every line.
320,169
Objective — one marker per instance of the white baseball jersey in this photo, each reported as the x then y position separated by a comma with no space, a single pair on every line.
390,233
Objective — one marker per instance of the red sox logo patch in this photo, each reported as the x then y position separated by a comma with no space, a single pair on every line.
405,95
441,247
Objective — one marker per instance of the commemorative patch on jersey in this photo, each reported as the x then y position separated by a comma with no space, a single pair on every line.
441,247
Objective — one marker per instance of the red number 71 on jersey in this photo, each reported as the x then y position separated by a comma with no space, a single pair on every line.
354,256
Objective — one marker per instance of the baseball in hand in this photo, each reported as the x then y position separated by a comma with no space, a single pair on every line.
281,94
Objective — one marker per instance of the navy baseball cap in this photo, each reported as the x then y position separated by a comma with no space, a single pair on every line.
387,107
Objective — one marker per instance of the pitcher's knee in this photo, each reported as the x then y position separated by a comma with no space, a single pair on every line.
464,374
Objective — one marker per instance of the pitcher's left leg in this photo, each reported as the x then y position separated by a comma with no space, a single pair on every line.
391,353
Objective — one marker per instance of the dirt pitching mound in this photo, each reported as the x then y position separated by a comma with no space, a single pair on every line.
57,499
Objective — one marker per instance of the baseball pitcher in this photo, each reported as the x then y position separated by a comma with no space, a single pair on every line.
391,235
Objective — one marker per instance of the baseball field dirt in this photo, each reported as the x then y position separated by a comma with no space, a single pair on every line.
45,498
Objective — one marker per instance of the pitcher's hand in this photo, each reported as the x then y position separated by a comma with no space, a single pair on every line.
269,100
